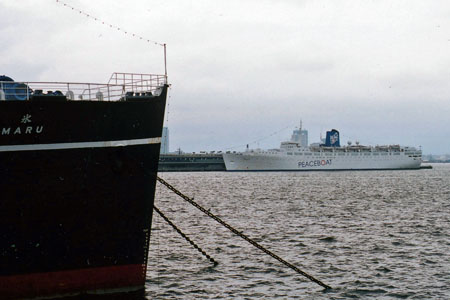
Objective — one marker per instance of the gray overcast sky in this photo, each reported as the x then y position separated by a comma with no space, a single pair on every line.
247,71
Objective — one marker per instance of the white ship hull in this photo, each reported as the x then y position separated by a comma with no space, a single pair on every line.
294,155
317,161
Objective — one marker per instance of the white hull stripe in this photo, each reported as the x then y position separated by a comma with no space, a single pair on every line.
59,146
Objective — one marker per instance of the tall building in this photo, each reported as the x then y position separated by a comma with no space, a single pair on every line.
300,136
165,141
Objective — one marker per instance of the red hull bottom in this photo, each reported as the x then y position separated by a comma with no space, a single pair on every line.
54,284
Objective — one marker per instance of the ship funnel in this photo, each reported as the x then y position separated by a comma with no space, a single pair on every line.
332,139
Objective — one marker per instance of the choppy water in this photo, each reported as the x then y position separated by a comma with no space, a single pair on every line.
369,235
376,234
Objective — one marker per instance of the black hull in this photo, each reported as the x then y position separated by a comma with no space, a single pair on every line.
78,181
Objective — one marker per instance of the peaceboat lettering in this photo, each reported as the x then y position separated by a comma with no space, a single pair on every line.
314,163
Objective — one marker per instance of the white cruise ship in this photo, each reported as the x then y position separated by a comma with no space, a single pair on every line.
293,156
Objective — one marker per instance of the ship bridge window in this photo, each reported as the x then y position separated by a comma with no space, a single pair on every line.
298,153
289,153
308,153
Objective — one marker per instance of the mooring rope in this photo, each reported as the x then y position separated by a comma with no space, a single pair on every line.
240,234
185,236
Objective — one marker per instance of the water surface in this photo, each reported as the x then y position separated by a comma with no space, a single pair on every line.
368,234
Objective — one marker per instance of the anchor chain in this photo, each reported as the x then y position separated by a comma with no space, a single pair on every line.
185,236
240,234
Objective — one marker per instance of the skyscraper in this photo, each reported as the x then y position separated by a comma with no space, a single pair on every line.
165,141
300,136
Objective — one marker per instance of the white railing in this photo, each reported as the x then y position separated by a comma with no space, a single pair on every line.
119,85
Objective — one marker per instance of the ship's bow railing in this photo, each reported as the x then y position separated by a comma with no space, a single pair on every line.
138,82
119,86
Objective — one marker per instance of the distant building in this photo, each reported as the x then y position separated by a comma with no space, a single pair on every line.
300,136
165,141
433,158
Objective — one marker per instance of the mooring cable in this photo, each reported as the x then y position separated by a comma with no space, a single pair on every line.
240,234
185,236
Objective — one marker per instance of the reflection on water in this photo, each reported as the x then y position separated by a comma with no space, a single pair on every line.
375,234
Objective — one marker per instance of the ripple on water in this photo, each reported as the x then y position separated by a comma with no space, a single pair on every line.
370,235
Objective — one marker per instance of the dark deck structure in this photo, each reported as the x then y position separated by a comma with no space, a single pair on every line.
191,162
